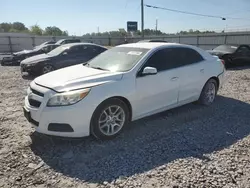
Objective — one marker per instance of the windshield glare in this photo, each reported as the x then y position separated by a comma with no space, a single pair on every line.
58,50
59,42
118,59
226,48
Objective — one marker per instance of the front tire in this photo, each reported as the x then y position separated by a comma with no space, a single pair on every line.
109,119
208,93
47,68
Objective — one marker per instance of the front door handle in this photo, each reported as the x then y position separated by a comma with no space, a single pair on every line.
202,70
174,78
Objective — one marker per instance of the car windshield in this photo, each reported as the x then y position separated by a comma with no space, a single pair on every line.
226,48
39,47
60,41
118,59
58,50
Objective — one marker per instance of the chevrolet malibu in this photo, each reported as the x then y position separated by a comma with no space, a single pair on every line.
123,84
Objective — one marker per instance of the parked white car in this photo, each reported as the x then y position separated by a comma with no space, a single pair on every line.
125,83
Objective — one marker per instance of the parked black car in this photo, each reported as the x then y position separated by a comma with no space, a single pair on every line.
67,41
45,43
62,56
17,57
232,55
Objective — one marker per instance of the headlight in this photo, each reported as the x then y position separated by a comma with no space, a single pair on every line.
68,98
31,64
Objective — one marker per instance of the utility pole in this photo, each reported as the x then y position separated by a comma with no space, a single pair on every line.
142,19
98,30
156,26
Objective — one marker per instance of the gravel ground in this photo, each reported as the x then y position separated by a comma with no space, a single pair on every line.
191,146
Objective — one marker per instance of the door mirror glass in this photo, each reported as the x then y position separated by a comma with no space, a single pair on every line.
149,71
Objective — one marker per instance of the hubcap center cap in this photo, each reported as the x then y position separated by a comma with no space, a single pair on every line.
111,119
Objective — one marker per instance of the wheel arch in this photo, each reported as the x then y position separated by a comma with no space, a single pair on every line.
123,99
216,79
212,78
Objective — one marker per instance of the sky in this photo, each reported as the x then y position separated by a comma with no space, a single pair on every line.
85,16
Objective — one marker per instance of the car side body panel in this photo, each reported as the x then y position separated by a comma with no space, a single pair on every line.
147,95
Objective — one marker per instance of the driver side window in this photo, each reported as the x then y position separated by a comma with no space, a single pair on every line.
74,50
45,49
162,60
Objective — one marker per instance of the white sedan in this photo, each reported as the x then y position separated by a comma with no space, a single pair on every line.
123,84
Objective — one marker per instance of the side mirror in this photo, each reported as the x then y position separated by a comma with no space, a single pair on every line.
149,71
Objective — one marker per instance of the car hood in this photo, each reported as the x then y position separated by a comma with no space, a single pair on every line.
76,77
217,52
36,58
22,52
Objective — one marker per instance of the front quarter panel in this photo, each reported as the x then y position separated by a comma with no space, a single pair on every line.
117,88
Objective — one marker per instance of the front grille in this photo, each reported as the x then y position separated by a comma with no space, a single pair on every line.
34,103
8,58
37,92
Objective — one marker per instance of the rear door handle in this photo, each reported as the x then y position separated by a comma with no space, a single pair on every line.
202,70
174,78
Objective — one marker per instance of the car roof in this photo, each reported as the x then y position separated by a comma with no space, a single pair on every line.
67,39
155,45
229,45
51,45
61,40
152,40
81,43
149,45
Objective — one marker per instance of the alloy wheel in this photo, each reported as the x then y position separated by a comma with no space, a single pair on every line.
47,69
111,120
210,92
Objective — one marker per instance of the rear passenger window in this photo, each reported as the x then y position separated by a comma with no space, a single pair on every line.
97,49
188,56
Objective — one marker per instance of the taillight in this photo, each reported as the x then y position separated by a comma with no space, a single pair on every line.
223,62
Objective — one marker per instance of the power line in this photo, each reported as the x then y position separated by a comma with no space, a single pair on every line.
192,13
126,4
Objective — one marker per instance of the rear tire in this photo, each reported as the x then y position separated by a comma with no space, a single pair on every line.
208,92
228,61
109,119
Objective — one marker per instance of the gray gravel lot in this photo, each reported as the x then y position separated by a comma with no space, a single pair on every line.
191,146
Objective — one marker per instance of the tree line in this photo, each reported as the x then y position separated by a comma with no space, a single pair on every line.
19,27
147,32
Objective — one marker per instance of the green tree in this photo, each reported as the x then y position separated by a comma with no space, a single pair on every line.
65,33
54,31
36,29
18,26
5,27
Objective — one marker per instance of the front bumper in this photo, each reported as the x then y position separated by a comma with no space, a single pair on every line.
73,120
26,68
10,60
